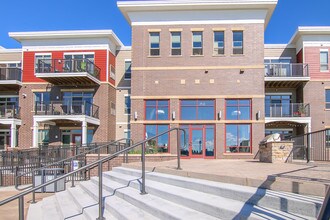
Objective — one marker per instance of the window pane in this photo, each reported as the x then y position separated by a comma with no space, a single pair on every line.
151,103
128,65
231,135
206,113
232,113
188,102
327,98
163,103
188,113
244,135
209,141
162,140
324,57
162,113
151,130
150,113
238,35
245,113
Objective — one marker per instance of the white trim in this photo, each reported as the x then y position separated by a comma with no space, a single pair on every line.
10,82
42,54
300,120
128,60
66,47
9,62
324,50
8,96
280,93
254,21
122,123
279,46
123,87
66,75
280,78
79,53
278,58
9,121
107,66
127,130
279,129
88,119
125,95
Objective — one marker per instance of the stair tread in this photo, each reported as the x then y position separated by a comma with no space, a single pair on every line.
214,201
35,211
312,199
49,204
119,207
67,207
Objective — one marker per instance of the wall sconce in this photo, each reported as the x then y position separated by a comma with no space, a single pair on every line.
258,115
56,136
206,71
219,115
24,95
135,116
241,71
57,98
173,115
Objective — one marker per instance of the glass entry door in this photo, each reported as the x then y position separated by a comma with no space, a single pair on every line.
199,141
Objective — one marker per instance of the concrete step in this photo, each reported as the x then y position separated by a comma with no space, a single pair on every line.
117,206
88,206
34,211
210,204
66,205
287,202
49,209
157,207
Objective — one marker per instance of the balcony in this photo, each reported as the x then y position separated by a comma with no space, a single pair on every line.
287,75
68,71
287,110
9,112
10,78
67,108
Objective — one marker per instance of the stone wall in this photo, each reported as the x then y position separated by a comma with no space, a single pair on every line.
279,151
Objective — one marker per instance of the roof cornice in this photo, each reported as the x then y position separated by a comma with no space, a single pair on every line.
309,30
191,5
42,35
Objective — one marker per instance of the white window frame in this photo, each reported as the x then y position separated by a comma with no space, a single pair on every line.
324,64
127,60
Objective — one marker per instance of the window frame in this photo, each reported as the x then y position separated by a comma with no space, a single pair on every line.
179,49
156,107
157,132
327,96
238,108
237,139
217,42
151,48
238,48
43,104
128,72
197,108
46,67
127,110
327,138
197,48
326,64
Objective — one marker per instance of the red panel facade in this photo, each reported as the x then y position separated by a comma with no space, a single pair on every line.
112,61
29,59
312,57
300,58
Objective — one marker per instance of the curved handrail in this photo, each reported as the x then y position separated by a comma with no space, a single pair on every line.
64,160
98,164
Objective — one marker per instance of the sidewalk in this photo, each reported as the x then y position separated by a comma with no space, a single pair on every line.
308,179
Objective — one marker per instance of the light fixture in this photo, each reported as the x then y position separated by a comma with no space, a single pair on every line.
135,116
206,71
219,115
258,115
173,115
241,71
24,95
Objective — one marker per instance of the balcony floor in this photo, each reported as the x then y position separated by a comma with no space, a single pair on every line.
285,82
82,78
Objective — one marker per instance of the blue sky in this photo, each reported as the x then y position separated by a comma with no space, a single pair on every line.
41,15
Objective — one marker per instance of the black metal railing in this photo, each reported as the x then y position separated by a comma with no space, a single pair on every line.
9,111
66,108
287,110
10,73
286,70
68,66
314,146
99,165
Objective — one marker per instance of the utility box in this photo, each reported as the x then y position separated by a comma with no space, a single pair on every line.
48,174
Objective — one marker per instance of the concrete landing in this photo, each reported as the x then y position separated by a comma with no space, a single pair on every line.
306,179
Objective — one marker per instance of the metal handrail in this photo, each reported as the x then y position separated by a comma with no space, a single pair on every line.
98,164
65,160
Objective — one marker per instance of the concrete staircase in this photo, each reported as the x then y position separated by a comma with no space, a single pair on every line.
172,197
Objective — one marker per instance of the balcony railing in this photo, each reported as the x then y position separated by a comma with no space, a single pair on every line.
288,110
9,111
67,108
286,70
68,66
10,73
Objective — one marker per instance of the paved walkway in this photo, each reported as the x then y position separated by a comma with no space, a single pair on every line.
309,179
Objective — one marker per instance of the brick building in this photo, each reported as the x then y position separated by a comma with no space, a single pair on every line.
201,66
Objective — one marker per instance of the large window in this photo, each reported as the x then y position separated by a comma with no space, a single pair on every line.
157,110
237,42
42,63
327,99
197,43
160,144
43,138
128,73
219,43
78,102
197,110
154,43
238,138
127,104
41,100
327,138
238,109
8,106
175,43
324,61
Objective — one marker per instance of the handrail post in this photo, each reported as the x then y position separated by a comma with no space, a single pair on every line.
178,148
143,158
72,176
21,208
101,205
33,185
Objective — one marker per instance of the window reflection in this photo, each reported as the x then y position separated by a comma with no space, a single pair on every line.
157,110
238,138
238,109
197,109
159,144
